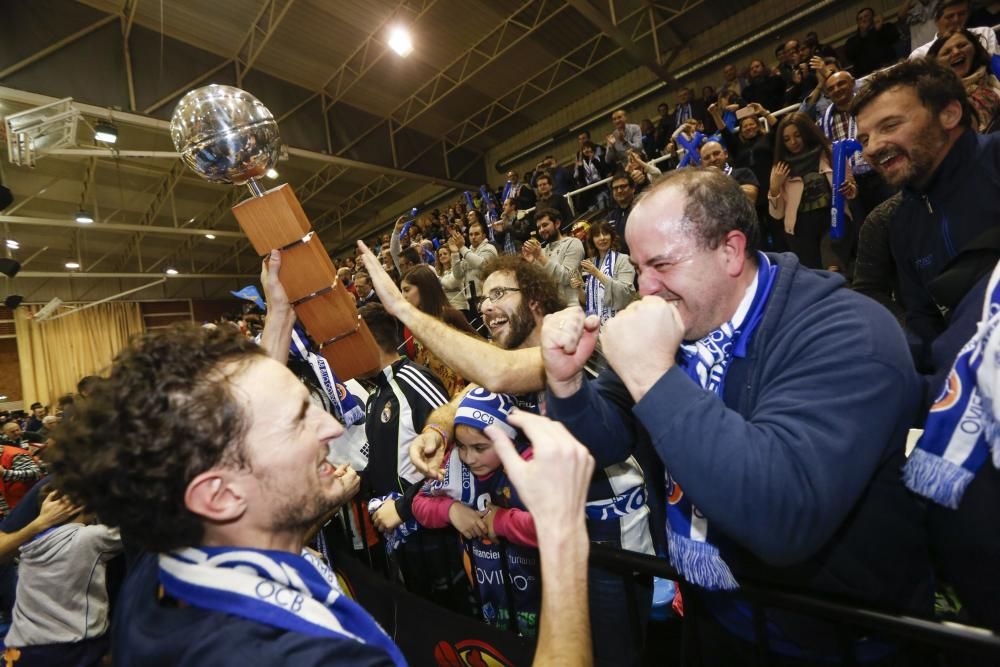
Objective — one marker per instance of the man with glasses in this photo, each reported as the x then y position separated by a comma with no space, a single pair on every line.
623,192
518,295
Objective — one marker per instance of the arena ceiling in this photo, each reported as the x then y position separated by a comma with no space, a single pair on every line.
367,133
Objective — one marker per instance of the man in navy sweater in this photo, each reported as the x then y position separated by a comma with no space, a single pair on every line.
775,404
915,123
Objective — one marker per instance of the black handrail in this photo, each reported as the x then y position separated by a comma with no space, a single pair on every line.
945,635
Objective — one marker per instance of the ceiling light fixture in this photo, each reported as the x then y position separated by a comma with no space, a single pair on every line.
105,132
400,42
210,237
171,271
83,217
72,265
271,173
12,244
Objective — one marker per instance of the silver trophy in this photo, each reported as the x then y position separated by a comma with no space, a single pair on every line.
226,135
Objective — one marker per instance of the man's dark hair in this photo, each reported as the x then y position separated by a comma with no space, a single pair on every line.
714,205
87,384
535,284
35,405
166,414
552,214
862,10
619,175
543,175
411,255
384,327
936,86
939,12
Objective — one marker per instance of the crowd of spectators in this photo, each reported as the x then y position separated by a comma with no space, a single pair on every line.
748,420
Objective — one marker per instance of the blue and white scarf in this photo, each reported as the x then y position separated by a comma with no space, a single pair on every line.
403,531
706,362
595,289
962,429
346,408
275,588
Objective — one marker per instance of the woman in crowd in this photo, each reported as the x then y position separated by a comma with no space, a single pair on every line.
453,288
609,281
422,288
965,55
802,190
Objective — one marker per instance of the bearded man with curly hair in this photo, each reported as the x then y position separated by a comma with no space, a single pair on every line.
213,461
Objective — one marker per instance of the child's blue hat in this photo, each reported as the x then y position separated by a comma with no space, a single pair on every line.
482,407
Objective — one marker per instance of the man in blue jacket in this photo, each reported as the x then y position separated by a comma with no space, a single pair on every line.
776,403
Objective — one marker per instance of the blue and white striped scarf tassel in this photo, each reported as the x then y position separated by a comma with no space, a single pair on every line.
398,536
961,429
706,362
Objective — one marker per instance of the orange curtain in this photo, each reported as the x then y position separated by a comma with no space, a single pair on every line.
55,354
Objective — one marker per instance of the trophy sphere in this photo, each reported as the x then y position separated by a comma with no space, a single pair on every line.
225,134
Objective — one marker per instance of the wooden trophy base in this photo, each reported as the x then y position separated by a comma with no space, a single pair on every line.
323,305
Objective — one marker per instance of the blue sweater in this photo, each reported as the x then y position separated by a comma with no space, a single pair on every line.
798,465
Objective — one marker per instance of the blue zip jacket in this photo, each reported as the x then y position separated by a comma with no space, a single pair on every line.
935,223
798,465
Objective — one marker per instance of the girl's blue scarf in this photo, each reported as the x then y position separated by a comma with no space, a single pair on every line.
276,588
706,362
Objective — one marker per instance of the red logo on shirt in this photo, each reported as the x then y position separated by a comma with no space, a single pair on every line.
469,653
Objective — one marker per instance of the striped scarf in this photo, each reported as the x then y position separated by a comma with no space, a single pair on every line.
595,289
689,537
962,428
293,592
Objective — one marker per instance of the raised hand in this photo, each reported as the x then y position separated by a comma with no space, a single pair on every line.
427,454
390,296
640,343
567,341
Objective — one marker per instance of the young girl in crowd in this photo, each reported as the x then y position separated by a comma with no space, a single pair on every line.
801,193
422,288
477,498
609,281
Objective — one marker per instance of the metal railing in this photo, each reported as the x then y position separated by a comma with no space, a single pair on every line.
946,635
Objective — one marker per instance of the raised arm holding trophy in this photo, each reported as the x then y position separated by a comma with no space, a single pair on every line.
227,136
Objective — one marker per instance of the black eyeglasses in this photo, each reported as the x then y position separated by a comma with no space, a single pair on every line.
498,293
